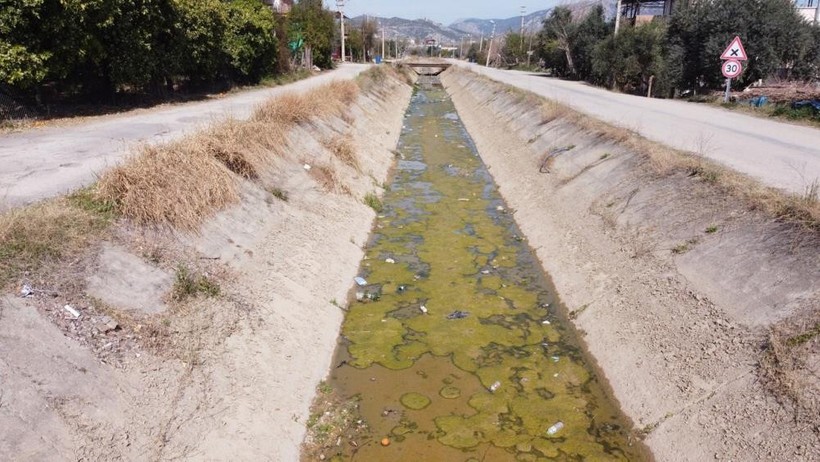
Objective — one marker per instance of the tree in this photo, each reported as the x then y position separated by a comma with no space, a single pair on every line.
249,40
585,37
631,59
775,37
514,49
317,26
556,35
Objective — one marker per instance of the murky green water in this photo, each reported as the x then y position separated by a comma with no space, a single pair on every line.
463,310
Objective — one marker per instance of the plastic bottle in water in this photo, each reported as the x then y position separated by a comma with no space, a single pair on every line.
555,428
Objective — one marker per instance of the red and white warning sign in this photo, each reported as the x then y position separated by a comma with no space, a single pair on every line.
735,51
731,68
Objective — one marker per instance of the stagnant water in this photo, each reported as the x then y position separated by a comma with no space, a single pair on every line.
455,348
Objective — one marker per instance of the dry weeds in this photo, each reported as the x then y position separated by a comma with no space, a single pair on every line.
45,235
177,185
328,179
342,147
801,210
789,366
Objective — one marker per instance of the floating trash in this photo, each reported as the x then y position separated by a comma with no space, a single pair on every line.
494,386
555,428
360,281
458,315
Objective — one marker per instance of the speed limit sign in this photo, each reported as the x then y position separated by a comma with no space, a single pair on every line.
731,68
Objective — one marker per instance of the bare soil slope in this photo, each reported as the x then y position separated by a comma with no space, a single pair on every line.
228,377
677,284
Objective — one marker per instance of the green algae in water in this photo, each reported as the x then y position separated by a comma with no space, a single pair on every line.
415,401
450,392
457,250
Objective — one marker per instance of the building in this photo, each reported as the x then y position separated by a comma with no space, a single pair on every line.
810,9
280,6
641,11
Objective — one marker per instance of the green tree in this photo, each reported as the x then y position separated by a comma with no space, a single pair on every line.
775,37
555,39
585,37
514,50
249,40
634,57
317,26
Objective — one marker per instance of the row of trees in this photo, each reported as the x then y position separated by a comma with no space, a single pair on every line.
681,53
96,48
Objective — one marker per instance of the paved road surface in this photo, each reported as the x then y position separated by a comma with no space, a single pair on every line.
41,163
782,155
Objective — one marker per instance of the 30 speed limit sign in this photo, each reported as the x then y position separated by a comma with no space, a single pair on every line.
731,68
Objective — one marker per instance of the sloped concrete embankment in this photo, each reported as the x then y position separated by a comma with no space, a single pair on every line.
675,283
223,378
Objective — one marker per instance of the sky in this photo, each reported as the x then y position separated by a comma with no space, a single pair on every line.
443,11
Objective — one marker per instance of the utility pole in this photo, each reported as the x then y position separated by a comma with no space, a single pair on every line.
461,49
481,44
340,5
382,42
523,11
617,16
490,45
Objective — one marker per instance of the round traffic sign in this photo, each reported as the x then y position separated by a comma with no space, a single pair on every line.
731,68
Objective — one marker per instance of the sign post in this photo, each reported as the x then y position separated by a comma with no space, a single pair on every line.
732,67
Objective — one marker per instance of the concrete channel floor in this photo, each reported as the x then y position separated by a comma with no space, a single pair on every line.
40,163
779,154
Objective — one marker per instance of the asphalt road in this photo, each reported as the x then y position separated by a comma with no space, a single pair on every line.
41,163
779,154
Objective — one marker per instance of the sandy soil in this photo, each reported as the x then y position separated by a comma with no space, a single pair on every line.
678,334
229,378
41,163
779,154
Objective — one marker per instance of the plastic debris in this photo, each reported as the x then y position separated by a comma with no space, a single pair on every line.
546,322
555,428
307,167
495,386
499,208
423,309
360,281
485,272
26,291
457,314
389,260
555,359
72,311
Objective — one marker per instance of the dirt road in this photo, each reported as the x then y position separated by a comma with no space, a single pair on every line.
779,154
37,164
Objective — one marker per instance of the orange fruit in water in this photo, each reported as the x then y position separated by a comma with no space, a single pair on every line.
385,441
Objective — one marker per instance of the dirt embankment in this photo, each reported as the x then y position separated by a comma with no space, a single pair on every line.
699,305
207,313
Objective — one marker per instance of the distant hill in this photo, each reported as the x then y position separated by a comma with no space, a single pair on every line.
416,29
421,29
478,27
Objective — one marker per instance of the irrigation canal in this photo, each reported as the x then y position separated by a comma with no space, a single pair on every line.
457,348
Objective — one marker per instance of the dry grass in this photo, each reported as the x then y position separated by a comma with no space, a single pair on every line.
41,236
176,185
801,210
789,366
182,183
342,148
328,179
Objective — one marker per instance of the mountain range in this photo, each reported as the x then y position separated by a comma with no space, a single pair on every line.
421,29
470,28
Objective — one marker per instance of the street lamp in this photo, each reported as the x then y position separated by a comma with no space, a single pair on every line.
340,5
490,45
523,11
